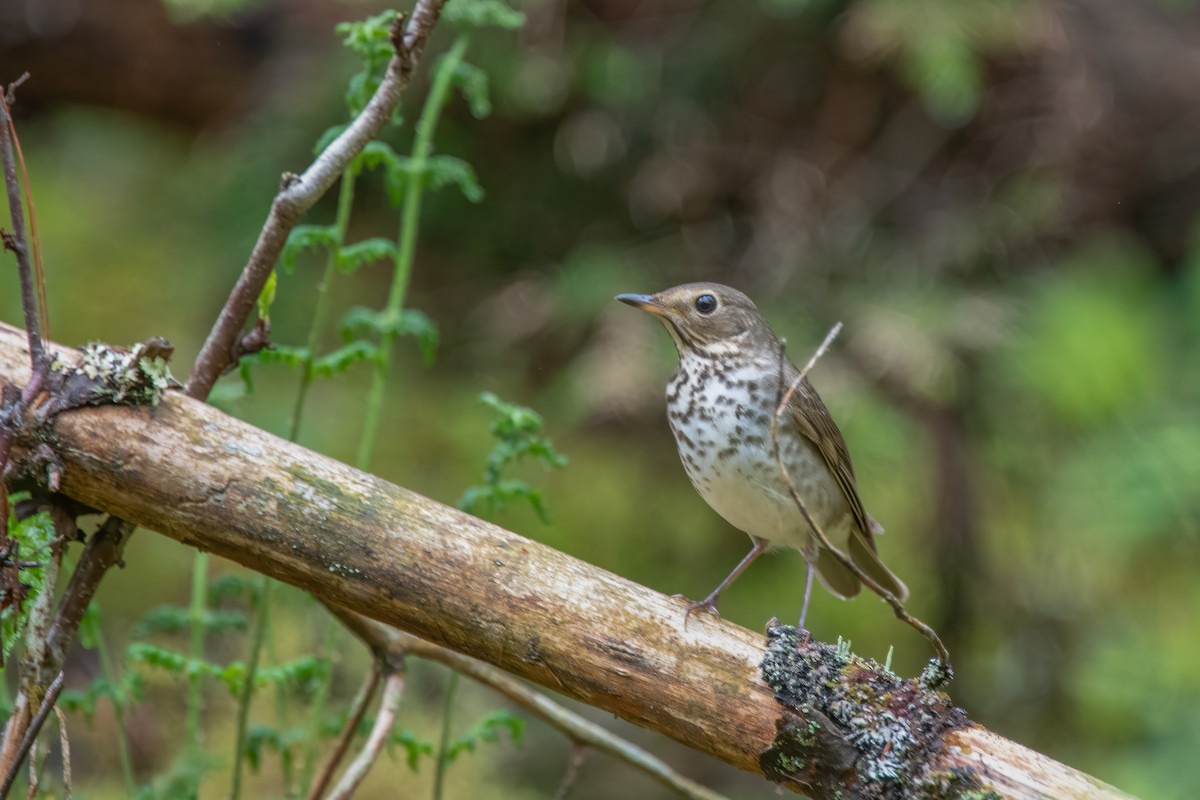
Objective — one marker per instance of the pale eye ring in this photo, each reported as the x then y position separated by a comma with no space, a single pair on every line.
706,304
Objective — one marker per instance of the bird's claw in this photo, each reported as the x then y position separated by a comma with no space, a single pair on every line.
708,604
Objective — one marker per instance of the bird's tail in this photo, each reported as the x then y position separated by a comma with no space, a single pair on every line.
842,582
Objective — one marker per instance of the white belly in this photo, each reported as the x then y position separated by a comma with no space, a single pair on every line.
736,473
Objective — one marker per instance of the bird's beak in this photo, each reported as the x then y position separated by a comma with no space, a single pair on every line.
647,303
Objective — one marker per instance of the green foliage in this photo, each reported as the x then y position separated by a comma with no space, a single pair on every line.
1086,351
414,748
182,782
263,737
482,14
473,83
232,587
343,358
128,690
359,254
519,431
176,620
307,237
266,298
360,321
432,172
371,40
299,673
192,10
488,730
33,536
940,45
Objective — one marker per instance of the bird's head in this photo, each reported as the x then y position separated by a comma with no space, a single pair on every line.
705,318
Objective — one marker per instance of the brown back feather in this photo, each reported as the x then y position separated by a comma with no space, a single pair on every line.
819,428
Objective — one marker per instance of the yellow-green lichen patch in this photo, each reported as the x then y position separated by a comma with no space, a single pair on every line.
310,488
107,375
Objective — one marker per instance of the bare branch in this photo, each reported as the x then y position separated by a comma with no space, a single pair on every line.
31,733
300,192
389,707
574,763
363,699
17,242
64,745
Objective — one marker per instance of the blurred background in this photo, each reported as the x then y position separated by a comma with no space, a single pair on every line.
1000,199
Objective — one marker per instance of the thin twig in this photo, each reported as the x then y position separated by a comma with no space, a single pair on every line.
35,774
300,192
378,637
361,701
31,733
389,707
64,745
102,551
574,762
17,242
843,559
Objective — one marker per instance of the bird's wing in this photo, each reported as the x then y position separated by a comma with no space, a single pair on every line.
819,428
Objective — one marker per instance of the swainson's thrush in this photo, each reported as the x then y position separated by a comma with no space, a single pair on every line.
720,403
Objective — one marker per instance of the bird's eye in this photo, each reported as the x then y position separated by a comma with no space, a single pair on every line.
706,304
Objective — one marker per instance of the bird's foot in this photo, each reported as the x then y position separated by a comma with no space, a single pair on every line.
708,604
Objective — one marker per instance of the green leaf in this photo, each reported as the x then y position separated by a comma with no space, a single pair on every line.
307,237
488,729
437,172
343,358
353,256
266,297
160,657
235,586
472,82
182,782
414,748
369,38
444,171
176,620
162,619
408,322
257,737
33,536
301,673
518,430
233,675
279,354
377,154
483,13
130,689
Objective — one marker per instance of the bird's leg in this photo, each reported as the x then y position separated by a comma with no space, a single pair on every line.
807,594
710,603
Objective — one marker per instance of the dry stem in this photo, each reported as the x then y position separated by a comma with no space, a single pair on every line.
897,606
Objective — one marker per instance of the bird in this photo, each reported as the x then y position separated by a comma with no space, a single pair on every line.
721,399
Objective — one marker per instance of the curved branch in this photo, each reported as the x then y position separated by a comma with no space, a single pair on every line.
389,707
